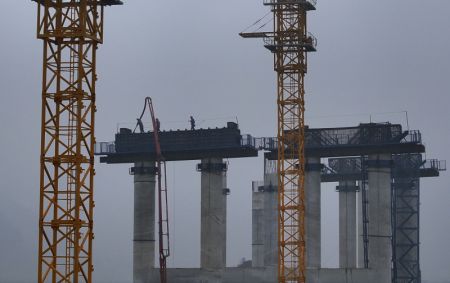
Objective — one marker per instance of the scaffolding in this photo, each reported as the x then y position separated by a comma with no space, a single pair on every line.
406,172
405,220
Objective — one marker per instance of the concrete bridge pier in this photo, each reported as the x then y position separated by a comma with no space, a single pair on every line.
312,217
271,218
360,230
144,221
347,224
258,227
214,193
380,228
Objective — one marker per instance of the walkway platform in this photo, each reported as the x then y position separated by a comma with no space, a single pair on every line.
176,145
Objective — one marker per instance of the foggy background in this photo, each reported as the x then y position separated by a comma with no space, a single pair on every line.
375,60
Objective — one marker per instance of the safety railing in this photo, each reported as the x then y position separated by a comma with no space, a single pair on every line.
312,39
266,143
276,2
313,139
413,136
440,165
103,148
326,170
309,41
345,165
248,141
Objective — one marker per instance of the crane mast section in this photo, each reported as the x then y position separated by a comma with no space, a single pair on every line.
71,31
290,44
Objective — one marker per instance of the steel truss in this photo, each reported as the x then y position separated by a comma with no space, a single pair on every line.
71,31
405,208
290,44
406,213
364,183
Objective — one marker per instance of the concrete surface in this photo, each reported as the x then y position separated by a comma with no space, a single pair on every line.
213,217
312,217
144,223
347,224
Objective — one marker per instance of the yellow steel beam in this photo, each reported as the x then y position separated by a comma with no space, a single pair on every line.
71,31
290,65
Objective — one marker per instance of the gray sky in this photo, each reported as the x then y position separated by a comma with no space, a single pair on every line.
373,57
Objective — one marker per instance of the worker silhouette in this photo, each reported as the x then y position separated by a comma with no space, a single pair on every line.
140,125
158,125
192,121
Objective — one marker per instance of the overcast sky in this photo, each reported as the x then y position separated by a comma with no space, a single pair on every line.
375,60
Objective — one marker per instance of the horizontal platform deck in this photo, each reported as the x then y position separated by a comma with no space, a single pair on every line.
177,145
228,142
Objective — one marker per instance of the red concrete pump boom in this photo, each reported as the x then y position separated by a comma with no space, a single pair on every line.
163,216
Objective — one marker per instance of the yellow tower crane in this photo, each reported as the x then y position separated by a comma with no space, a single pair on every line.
290,42
71,31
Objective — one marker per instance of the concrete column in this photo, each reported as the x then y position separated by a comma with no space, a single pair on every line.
144,221
312,217
258,227
213,213
271,218
347,224
360,239
380,230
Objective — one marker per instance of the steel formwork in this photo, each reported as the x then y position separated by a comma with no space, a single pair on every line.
405,207
406,213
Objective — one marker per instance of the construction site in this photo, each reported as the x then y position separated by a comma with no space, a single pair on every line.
271,141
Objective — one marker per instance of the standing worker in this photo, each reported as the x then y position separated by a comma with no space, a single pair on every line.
158,125
140,125
192,121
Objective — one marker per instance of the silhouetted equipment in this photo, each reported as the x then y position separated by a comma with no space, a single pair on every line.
192,121
139,125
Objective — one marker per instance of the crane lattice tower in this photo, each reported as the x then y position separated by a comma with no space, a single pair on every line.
71,31
290,43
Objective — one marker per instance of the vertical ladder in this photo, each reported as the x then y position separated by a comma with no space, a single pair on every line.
163,215
365,211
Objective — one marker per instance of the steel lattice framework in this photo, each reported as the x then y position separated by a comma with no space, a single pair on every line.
406,215
71,31
290,43
290,66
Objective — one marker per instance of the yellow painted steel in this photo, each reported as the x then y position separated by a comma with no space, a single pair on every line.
290,65
290,42
71,31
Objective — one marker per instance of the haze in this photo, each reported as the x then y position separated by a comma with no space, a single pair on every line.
375,60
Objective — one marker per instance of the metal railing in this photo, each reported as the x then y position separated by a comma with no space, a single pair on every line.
266,143
312,39
313,139
345,165
413,136
274,2
331,139
103,148
334,138
440,165
247,141
309,40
